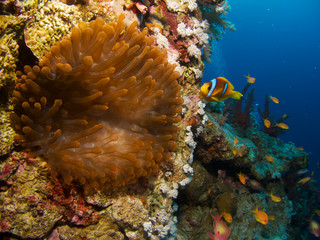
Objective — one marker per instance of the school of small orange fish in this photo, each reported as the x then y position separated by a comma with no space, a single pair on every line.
221,230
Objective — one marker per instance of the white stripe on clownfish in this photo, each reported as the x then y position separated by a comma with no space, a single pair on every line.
224,90
213,86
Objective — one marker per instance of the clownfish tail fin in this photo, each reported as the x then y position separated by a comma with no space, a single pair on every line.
236,95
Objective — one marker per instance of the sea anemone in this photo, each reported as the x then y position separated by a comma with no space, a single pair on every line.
101,107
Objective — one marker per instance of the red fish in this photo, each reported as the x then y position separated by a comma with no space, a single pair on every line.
221,230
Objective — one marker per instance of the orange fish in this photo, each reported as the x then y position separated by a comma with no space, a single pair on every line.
270,158
210,124
267,123
236,141
192,122
237,152
274,99
250,79
240,153
304,180
317,212
300,148
211,149
284,115
261,216
227,217
282,125
243,178
218,89
275,198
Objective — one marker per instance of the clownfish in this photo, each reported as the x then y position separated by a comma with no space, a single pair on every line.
218,89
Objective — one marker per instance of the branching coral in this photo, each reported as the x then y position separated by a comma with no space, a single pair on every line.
101,105
242,116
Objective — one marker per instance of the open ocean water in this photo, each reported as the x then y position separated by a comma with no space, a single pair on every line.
278,42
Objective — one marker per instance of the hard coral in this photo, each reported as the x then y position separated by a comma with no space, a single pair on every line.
101,105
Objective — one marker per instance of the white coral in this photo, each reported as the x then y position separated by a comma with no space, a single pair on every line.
194,51
192,5
188,169
147,227
185,181
173,6
197,72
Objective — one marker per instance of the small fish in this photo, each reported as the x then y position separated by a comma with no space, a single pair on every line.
192,122
250,79
317,212
227,217
300,148
270,158
218,89
314,228
318,165
240,153
302,171
267,123
284,116
304,180
210,124
222,173
221,230
312,174
274,99
243,178
282,125
254,184
237,152
211,149
236,141
261,216
275,198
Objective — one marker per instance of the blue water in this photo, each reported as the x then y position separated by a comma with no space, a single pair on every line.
278,42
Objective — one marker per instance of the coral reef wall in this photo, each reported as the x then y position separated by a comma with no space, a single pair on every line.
36,206
182,160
